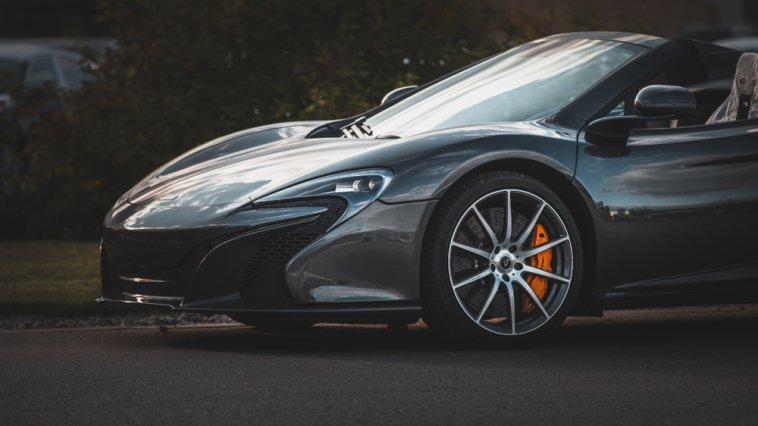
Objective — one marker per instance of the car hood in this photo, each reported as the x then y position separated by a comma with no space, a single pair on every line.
244,166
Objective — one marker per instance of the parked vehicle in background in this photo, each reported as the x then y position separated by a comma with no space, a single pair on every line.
37,66
54,61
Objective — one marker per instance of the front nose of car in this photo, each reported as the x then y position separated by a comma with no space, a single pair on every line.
166,254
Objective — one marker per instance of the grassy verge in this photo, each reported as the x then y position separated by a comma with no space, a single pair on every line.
51,279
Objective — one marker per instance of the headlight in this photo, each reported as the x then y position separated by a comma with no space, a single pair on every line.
359,188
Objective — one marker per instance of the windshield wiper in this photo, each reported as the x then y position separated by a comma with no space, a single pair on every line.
358,129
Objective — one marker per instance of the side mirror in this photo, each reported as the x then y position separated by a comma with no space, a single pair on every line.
394,94
661,100
653,103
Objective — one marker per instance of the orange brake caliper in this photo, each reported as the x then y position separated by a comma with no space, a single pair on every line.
540,261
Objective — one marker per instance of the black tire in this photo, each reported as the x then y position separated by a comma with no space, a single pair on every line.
274,325
445,309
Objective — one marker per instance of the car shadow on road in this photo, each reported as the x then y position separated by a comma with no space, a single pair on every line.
681,332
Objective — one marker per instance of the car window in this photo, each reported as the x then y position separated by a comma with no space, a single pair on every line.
682,71
626,107
618,110
40,72
72,71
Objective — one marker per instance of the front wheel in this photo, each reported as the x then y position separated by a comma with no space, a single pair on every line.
502,261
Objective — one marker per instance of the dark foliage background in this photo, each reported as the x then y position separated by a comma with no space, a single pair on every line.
46,18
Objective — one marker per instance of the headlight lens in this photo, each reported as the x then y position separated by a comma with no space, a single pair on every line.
359,188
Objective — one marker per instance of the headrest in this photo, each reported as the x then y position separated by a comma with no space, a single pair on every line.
742,102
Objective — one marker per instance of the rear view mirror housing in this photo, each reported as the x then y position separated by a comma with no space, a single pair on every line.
396,93
653,103
664,101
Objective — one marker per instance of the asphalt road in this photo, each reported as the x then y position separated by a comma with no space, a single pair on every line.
681,366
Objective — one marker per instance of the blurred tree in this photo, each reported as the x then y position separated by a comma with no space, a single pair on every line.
45,18
187,71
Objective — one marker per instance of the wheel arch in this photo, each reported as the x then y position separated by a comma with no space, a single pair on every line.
561,184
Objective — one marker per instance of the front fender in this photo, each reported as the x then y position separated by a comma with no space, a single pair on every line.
440,162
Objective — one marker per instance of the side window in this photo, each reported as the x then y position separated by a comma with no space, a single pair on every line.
662,78
683,71
626,106
40,72
618,110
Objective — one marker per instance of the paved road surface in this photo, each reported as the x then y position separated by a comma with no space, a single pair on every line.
691,366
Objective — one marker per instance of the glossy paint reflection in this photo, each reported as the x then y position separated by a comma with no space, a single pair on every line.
679,202
248,175
351,263
160,217
235,143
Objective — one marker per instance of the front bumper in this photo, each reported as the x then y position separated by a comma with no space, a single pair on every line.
288,264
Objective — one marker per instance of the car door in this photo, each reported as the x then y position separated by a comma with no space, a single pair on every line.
677,206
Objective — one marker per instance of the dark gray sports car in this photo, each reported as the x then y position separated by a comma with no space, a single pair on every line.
572,174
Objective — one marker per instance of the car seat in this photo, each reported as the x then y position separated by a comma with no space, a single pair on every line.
742,102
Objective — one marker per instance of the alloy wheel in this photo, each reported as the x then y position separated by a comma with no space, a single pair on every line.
510,262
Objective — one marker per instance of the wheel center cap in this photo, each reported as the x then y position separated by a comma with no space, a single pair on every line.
503,262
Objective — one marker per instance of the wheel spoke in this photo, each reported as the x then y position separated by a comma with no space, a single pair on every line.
471,279
508,219
486,226
474,250
511,306
488,302
528,289
546,274
542,247
528,230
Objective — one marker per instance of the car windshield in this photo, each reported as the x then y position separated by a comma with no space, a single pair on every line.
525,83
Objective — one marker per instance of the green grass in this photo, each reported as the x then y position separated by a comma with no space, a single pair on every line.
50,279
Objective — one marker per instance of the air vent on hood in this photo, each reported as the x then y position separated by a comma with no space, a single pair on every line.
357,129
